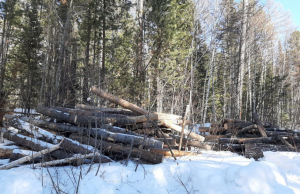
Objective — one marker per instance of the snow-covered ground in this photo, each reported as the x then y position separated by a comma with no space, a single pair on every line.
207,173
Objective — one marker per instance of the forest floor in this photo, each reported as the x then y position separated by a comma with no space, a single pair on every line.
207,173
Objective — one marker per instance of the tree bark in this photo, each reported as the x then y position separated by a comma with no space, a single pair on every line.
261,129
34,144
120,150
28,158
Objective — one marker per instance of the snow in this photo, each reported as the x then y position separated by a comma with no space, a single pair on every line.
208,173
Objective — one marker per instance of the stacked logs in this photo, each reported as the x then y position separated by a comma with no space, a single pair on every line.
251,138
71,136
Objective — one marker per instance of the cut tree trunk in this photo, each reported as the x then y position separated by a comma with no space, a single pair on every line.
246,129
120,150
137,109
28,158
60,127
38,133
228,120
77,159
266,140
107,110
74,119
176,153
236,126
34,144
259,124
186,132
107,135
256,150
119,101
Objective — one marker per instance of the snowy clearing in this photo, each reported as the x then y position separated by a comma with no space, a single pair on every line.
208,173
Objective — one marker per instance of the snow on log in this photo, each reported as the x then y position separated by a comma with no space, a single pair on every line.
75,119
117,137
28,158
34,144
60,127
161,117
36,131
120,150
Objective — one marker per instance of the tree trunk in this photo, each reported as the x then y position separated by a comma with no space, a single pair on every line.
28,158
121,150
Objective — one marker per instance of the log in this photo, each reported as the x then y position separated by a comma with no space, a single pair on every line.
259,124
107,135
186,132
236,126
106,110
228,120
121,150
176,153
213,137
139,110
5,152
170,141
284,134
119,101
36,131
28,158
77,158
256,150
67,144
18,153
60,127
246,129
74,119
283,141
236,148
265,140
193,143
34,144
137,119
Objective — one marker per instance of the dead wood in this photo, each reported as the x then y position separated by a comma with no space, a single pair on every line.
120,150
255,150
34,144
176,153
77,159
5,152
259,124
28,158
228,120
139,110
236,126
266,140
75,119
246,129
106,110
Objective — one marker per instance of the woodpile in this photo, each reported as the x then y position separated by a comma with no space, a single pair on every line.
94,134
250,138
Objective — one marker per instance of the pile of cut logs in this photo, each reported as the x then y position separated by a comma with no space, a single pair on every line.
251,138
93,134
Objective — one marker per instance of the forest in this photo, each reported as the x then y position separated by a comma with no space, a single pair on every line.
223,58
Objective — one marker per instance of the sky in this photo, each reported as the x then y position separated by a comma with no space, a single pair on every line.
294,7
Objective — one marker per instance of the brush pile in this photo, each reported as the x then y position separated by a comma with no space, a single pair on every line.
251,138
93,134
